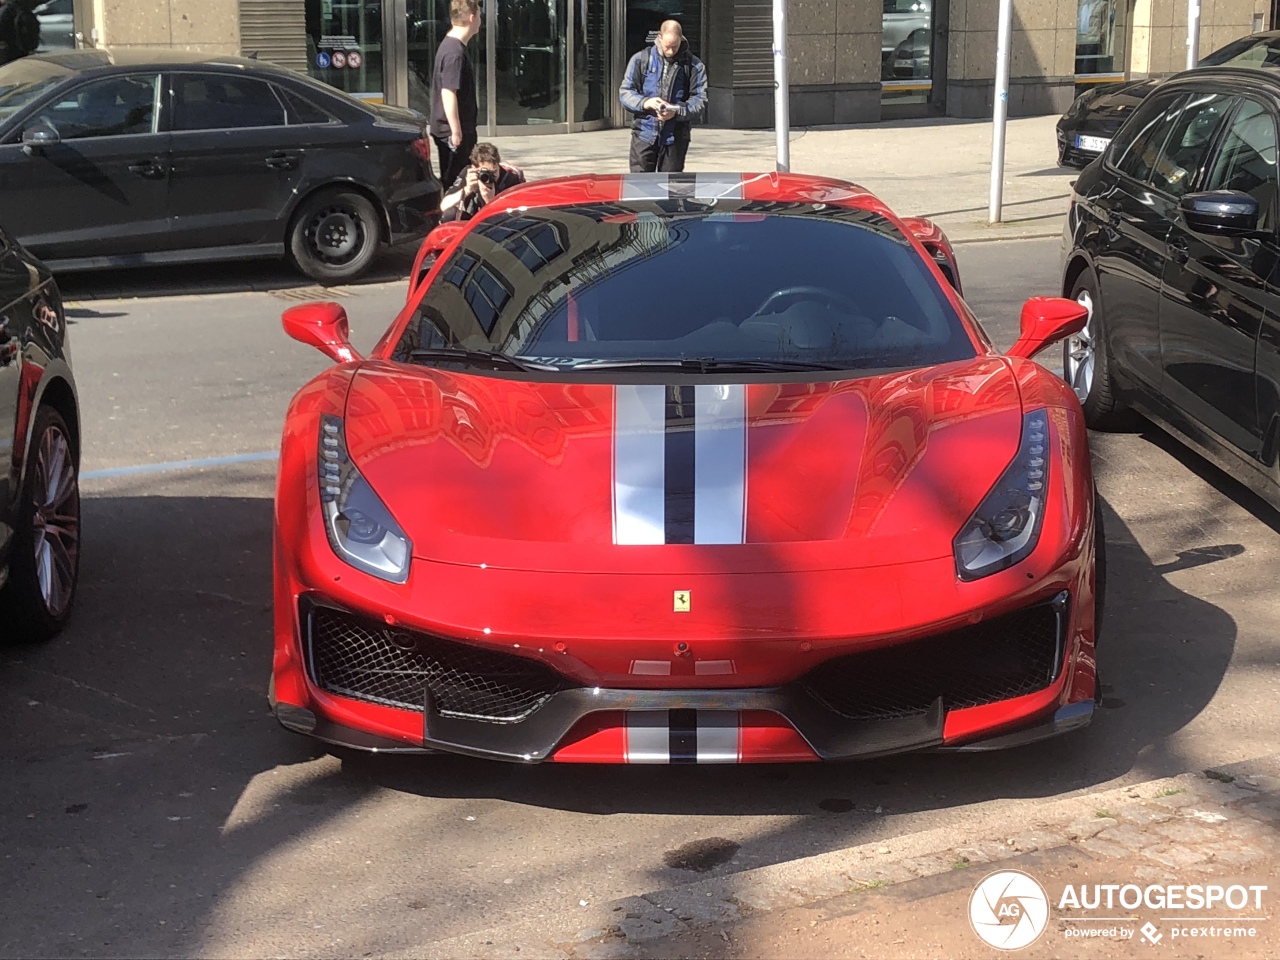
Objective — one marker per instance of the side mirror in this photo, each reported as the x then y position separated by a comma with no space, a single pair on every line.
1229,213
938,246
321,325
1045,321
36,139
436,242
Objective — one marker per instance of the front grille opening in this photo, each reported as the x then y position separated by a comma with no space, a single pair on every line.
1001,658
366,660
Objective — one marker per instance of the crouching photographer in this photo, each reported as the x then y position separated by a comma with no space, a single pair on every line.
487,177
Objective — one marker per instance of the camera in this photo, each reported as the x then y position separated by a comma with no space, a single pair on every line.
486,176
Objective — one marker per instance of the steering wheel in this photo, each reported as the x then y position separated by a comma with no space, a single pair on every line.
810,292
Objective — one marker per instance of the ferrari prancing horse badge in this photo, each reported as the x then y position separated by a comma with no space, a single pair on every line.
682,601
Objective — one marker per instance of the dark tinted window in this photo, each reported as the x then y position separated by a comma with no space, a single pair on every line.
1136,148
738,281
1245,52
110,107
1187,148
1247,159
300,110
220,102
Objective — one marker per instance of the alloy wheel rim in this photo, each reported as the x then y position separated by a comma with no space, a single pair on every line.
1080,352
56,522
336,235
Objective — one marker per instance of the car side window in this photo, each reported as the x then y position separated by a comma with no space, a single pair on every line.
1247,159
1187,149
216,101
1136,148
301,110
109,107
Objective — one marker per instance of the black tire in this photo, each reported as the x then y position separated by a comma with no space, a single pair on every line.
1102,409
334,235
34,609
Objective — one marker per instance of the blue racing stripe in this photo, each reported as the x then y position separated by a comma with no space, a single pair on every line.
174,465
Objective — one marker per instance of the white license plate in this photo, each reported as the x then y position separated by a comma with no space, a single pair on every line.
1092,144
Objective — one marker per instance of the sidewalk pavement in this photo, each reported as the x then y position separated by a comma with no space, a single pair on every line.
937,168
909,896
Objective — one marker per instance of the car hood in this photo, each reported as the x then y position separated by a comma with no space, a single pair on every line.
597,476
1114,106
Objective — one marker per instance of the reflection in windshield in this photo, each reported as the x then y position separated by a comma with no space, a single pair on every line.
593,285
23,81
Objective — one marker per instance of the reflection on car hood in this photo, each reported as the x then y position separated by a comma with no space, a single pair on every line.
565,475
1114,106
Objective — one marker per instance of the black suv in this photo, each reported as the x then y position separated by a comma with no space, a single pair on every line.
1171,242
40,457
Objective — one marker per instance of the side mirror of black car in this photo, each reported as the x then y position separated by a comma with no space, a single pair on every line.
1228,213
35,139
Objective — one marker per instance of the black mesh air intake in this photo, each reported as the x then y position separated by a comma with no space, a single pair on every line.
1004,657
367,660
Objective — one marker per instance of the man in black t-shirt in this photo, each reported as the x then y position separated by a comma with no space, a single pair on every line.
453,92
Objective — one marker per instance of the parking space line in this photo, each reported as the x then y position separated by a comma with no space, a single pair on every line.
174,465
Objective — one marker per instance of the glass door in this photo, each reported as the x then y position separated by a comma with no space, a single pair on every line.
591,47
530,62
344,46
428,22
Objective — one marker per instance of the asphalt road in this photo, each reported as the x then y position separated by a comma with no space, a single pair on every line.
150,806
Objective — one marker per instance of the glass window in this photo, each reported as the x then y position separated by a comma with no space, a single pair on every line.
1187,148
1137,145
428,24
216,101
1247,160
1246,52
906,48
531,62
301,110
57,25
344,45
750,281
26,81
594,94
110,107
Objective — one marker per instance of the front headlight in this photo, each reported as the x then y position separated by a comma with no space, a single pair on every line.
361,529
1005,527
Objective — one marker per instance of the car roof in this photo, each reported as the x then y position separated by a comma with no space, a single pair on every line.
159,57
638,191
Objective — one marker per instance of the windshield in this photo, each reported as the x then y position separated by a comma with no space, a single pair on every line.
673,282
25,80
1245,52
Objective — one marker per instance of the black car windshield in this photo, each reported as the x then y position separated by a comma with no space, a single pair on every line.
1245,52
759,286
24,81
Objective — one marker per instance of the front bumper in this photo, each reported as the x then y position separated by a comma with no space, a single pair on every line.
387,689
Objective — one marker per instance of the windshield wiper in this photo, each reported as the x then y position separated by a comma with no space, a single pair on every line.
478,357
710,364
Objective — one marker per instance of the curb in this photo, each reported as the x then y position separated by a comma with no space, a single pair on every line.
625,923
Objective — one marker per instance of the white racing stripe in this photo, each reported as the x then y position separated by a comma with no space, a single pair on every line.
639,464
666,186
719,736
648,737
720,463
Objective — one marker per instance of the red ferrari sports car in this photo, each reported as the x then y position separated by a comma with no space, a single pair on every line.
685,469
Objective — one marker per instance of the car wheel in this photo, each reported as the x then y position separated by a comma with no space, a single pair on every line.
334,235
44,560
1086,365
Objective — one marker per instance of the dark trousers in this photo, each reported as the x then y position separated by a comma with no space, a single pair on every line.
658,158
453,162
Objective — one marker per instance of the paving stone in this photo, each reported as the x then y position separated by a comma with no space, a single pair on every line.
930,865
1084,829
1247,828
1036,840
1174,855
700,910
1151,873
1127,835
1261,784
1175,801
1267,808
1105,848
656,923
984,852
1142,814
1186,831
1233,852
880,876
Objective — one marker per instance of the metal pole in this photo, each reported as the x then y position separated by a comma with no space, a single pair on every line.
1000,111
1193,33
781,90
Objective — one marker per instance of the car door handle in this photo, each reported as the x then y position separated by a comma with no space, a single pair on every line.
148,169
283,161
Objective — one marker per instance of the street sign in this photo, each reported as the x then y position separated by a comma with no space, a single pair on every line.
339,59
322,61
354,60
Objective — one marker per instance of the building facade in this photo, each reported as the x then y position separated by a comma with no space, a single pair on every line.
555,65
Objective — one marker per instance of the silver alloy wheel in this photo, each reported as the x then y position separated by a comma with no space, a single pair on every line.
56,521
1079,355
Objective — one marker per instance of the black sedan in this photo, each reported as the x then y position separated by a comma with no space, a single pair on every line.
1172,245
112,159
1093,119
40,448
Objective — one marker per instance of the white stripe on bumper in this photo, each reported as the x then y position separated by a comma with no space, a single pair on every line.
639,464
720,463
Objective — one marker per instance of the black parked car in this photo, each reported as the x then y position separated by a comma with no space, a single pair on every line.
1093,119
40,450
1172,244
133,158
